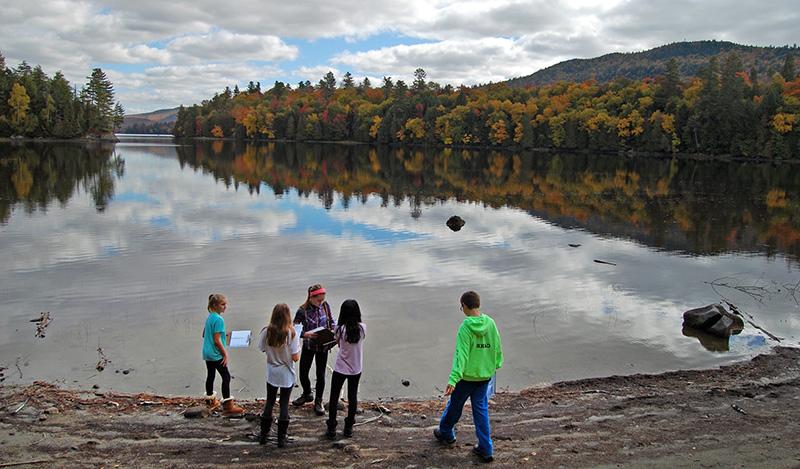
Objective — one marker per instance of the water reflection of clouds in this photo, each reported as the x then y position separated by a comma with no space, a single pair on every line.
142,254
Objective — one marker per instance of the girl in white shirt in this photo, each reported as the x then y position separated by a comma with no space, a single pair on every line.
281,343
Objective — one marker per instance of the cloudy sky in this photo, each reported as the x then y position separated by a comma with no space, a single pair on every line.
162,54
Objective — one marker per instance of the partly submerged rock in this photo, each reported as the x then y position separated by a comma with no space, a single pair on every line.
455,223
713,319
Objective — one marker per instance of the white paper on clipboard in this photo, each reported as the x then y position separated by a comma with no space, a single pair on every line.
240,339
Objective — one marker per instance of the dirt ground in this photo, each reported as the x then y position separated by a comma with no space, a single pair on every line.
743,415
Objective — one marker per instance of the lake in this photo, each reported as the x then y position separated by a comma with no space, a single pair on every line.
122,244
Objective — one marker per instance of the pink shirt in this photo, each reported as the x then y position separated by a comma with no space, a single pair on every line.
349,360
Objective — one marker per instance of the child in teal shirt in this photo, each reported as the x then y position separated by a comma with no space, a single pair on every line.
215,355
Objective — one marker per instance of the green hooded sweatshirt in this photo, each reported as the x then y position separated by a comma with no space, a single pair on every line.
478,350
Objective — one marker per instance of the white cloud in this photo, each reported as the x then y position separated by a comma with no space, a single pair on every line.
227,46
466,41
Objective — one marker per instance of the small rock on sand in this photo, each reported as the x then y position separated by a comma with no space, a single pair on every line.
196,412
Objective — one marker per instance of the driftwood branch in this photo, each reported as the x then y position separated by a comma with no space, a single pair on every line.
747,317
21,463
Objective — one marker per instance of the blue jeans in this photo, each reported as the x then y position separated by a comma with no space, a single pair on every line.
476,392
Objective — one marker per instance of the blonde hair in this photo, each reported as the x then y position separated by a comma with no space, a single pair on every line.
214,301
280,326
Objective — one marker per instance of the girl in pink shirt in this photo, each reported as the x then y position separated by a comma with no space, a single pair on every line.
350,334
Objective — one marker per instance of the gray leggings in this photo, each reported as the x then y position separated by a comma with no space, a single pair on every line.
283,403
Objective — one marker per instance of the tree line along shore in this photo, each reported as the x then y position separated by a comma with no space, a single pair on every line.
34,105
724,110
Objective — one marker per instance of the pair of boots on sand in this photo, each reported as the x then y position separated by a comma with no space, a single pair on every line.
348,428
319,409
229,408
266,425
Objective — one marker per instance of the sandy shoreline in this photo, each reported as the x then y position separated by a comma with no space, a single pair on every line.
741,415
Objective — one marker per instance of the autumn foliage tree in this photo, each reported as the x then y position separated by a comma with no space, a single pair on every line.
723,110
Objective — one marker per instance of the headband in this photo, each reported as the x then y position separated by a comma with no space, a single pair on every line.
318,291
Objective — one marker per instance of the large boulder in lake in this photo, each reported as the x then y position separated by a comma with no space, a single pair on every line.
455,223
714,320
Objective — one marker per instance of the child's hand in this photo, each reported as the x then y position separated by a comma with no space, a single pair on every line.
225,360
449,390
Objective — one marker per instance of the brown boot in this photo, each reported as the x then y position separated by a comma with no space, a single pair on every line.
211,402
229,409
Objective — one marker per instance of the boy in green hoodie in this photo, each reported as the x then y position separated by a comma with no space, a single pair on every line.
478,355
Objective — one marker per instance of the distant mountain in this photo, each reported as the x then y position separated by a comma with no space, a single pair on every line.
155,122
637,65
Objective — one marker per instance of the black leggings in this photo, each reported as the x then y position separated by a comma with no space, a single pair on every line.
352,394
305,366
211,368
283,403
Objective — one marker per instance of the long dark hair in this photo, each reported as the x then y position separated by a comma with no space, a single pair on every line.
349,319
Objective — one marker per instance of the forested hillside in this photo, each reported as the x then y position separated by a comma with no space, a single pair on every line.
691,57
725,109
157,122
35,105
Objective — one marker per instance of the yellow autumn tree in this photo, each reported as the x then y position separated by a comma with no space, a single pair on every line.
783,123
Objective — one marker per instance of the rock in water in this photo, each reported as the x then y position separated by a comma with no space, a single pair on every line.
455,223
713,319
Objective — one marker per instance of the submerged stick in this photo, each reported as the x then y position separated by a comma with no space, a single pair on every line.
604,262
736,311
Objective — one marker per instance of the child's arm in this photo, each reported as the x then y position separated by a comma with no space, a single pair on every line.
295,348
459,359
218,343
300,318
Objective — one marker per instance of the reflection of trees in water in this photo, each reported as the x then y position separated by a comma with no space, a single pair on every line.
687,205
34,176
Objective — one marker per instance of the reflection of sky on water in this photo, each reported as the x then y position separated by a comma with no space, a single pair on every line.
133,280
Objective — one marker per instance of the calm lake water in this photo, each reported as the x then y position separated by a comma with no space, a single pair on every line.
122,245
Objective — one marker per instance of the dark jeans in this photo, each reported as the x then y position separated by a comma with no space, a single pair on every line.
475,391
283,403
306,357
337,381
212,367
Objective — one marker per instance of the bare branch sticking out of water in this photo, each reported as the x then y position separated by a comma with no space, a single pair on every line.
103,361
749,318
18,368
758,292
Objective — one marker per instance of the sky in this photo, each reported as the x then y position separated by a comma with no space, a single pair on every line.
163,54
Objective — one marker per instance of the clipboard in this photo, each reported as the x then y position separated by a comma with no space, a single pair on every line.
325,336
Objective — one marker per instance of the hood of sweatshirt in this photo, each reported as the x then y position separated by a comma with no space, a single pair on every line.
478,325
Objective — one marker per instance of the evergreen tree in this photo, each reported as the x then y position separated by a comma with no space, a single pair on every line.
327,85
387,87
788,71
119,115
348,82
99,94
419,80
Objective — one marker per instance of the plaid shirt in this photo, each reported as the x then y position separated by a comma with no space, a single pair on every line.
311,318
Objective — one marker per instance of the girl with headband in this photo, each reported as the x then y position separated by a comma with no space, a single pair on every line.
313,314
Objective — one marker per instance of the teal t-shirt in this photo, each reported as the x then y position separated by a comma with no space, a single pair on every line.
214,324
